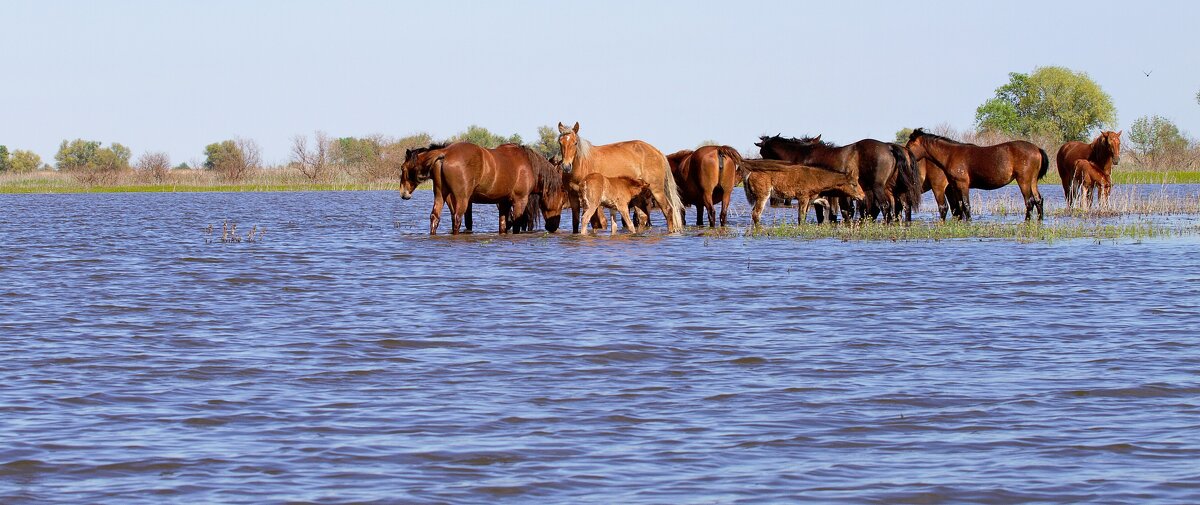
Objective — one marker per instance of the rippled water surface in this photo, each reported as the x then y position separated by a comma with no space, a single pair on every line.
349,357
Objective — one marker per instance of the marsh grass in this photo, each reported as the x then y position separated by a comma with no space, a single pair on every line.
277,179
1121,203
956,230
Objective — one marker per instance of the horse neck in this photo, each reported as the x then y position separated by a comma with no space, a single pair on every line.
935,150
1101,155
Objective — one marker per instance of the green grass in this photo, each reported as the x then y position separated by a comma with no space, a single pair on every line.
55,182
956,230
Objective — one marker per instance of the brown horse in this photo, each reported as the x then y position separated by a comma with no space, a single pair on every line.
1105,152
596,191
1086,178
762,178
510,176
633,158
881,170
934,180
970,166
704,176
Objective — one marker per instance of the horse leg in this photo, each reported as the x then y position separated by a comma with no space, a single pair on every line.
626,219
435,216
756,211
939,196
712,211
725,207
586,219
573,201
802,204
468,217
699,215
458,209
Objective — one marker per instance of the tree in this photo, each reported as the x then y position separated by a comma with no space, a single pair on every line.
24,161
4,160
77,154
902,135
1052,102
311,163
547,142
1156,136
157,164
481,137
233,159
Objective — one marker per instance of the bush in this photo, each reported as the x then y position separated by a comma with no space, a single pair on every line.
232,159
24,161
155,164
90,162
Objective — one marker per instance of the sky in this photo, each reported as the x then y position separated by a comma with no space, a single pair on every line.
175,76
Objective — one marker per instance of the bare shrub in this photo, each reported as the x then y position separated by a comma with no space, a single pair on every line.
312,163
155,165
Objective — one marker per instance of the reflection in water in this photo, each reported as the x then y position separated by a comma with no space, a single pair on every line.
349,357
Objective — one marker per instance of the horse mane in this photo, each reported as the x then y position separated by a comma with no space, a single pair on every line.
761,165
679,152
549,175
431,147
806,140
583,150
920,132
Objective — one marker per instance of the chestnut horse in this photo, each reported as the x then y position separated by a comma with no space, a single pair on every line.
764,178
970,166
704,176
1105,152
511,176
881,170
597,191
1086,178
633,158
934,180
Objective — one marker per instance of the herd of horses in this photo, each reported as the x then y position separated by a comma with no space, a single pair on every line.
868,179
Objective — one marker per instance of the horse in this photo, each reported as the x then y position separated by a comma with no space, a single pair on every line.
970,166
934,180
596,191
704,176
510,176
632,158
762,178
1086,176
879,168
1105,152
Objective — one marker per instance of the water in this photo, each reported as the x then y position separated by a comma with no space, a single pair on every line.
349,357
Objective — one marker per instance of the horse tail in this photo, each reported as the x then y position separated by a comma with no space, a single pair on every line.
908,176
1045,164
726,152
672,191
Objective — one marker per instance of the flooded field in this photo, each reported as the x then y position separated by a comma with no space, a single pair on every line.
346,356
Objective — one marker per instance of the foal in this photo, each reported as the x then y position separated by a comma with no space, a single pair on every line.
597,191
1087,176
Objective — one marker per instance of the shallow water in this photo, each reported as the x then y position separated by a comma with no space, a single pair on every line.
349,357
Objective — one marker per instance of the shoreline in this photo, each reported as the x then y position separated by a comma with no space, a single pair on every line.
55,183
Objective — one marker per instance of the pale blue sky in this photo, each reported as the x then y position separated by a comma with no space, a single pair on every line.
174,76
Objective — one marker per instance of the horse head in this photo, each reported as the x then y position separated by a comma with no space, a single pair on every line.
1113,140
568,144
418,168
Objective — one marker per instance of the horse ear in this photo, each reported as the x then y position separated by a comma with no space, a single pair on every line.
818,139
561,128
1119,132
576,128
759,144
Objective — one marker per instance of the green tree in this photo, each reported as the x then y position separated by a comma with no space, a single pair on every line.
4,162
1051,101
77,154
481,137
902,135
24,161
547,142
354,151
233,159
1155,136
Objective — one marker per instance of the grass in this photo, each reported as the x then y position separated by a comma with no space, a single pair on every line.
180,181
957,230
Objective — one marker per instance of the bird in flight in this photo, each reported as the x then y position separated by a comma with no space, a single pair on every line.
1147,73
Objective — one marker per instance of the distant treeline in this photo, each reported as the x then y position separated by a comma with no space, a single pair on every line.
1048,106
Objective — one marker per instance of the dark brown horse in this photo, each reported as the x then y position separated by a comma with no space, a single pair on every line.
705,176
970,166
880,169
1105,152
510,176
